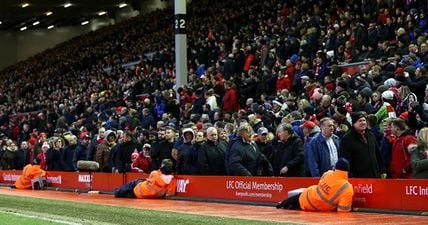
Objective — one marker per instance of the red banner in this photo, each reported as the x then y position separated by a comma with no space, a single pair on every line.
369,193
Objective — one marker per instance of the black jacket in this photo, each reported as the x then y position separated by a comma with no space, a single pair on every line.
290,154
247,160
211,158
365,159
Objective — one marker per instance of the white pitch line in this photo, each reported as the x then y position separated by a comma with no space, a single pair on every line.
41,218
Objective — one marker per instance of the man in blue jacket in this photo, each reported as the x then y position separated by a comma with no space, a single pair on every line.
321,153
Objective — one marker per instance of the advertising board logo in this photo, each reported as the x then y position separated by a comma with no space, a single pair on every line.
84,178
182,185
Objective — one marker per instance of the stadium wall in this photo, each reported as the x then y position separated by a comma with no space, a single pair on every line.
8,46
382,194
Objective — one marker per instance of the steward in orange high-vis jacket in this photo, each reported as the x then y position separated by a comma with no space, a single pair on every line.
159,184
332,193
30,173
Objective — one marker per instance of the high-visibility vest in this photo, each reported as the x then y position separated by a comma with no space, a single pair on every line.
333,192
29,173
158,185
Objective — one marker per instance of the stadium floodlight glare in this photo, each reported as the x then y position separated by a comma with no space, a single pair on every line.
67,5
0,22
102,13
50,27
23,28
121,5
48,13
84,22
25,5
36,23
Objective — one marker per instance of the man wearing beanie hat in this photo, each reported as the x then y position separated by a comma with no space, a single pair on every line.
336,191
360,148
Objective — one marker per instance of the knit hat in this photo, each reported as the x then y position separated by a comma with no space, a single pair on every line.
366,92
309,110
342,164
356,116
391,82
293,58
388,95
308,124
45,145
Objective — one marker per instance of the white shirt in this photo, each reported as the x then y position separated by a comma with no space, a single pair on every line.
332,150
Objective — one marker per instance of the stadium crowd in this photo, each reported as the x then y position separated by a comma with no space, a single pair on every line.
266,93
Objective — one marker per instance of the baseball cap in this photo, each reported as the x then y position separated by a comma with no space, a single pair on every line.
262,130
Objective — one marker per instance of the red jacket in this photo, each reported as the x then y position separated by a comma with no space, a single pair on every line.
400,156
283,83
142,164
230,100
248,61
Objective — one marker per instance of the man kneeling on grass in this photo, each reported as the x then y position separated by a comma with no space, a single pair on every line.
332,193
32,177
161,183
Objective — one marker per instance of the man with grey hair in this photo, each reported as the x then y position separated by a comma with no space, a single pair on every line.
245,157
287,153
212,154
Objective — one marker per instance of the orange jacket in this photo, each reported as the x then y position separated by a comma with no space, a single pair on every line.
29,173
333,192
158,185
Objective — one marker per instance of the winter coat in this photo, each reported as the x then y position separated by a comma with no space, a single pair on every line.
230,100
290,154
419,162
400,158
317,155
245,159
364,158
211,158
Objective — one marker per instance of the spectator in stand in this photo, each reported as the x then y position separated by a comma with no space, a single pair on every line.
211,155
8,155
322,150
163,148
53,156
419,155
262,141
245,158
97,140
187,155
230,98
82,149
400,158
124,152
68,153
287,157
104,149
41,157
141,161
360,148
22,156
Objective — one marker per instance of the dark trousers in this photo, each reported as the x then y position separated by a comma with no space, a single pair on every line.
127,190
290,203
